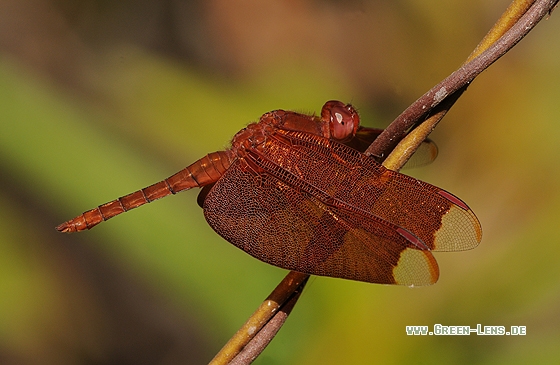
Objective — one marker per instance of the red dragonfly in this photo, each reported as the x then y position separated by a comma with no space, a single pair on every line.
290,193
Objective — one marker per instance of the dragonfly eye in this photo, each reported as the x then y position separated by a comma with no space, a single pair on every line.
342,118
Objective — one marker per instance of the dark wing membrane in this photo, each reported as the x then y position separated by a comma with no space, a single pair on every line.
442,221
425,154
287,227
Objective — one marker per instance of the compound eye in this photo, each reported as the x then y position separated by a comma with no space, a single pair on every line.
342,118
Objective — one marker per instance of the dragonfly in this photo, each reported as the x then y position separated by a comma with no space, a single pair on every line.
296,191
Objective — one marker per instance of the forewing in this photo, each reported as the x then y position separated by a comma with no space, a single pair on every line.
441,220
290,228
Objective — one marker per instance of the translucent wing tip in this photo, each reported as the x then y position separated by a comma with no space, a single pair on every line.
416,268
460,230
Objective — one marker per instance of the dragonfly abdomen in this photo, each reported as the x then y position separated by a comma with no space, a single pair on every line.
205,171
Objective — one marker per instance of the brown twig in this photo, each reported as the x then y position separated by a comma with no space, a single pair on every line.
293,283
439,99
520,17
267,333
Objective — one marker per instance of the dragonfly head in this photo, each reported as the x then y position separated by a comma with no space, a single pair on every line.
343,120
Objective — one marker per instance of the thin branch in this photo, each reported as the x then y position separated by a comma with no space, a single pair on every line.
293,283
508,19
267,333
441,97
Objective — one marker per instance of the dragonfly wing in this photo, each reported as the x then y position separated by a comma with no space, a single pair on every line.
441,220
287,227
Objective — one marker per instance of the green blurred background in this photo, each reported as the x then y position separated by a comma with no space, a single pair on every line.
101,98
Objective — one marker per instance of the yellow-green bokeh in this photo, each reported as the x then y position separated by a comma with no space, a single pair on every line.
131,116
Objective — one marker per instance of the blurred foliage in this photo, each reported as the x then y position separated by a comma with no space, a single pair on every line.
98,99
